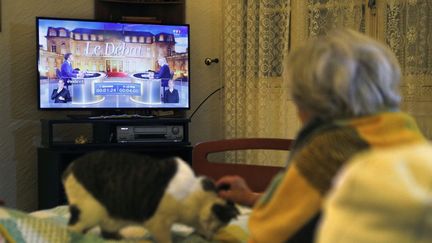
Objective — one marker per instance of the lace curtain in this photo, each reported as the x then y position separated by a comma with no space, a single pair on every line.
256,34
404,25
316,17
256,100
408,32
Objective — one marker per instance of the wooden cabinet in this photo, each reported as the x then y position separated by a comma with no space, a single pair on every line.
151,11
53,161
58,151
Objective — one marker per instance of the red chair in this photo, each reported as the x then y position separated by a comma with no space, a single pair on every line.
258,177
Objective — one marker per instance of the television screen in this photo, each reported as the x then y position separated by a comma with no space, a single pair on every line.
89,64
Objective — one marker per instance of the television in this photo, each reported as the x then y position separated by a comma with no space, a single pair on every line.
102,65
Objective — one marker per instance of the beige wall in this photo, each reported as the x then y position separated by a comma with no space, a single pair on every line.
205,19
19,119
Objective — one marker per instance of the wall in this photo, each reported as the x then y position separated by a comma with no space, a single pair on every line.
19,120
205,18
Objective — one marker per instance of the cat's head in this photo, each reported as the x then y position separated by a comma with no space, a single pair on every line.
215,212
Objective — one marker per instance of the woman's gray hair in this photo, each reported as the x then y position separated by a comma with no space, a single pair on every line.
344,74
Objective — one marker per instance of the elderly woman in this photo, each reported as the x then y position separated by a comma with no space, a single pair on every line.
382,195
345,86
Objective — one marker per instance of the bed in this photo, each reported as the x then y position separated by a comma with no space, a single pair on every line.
50,226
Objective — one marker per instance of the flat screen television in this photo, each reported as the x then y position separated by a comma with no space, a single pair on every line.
90,64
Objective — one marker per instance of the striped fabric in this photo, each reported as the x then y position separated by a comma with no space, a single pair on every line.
295,196
329,146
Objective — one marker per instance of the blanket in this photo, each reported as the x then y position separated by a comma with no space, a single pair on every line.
50,226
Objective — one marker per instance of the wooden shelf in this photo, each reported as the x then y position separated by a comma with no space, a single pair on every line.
102,132
169,12
57,152
53,161
144,1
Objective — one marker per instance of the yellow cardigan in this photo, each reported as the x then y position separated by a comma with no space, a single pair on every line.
296,195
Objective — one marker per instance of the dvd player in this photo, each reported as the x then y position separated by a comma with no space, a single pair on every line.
150,133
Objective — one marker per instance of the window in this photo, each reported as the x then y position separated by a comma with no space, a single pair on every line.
62,33
63,49
52,32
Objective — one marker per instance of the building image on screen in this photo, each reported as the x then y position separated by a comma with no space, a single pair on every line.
112,65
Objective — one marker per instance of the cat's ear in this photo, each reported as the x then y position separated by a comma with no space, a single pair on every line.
225,212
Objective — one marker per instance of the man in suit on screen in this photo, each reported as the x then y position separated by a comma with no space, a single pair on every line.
67,72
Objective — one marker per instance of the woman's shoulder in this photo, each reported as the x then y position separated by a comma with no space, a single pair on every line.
325,151
318,131
332,138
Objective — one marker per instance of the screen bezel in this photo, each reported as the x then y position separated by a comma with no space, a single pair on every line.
104,109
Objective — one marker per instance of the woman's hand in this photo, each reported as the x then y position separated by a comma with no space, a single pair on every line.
235,189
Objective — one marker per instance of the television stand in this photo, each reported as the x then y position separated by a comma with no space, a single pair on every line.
123,116
60,146
110,115
78,116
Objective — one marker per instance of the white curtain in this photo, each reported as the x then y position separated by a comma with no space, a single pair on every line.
256,101
408,32
316,17
256,37
404,25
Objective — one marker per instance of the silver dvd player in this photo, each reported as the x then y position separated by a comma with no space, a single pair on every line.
150,133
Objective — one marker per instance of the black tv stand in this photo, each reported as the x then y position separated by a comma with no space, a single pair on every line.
133,114
114,114
57,152
119,116
123,116
78,116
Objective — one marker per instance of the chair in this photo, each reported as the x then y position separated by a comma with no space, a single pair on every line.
258,177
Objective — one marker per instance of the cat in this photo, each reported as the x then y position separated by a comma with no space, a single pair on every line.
114,189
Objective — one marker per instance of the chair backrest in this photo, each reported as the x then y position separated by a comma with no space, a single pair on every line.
258,177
